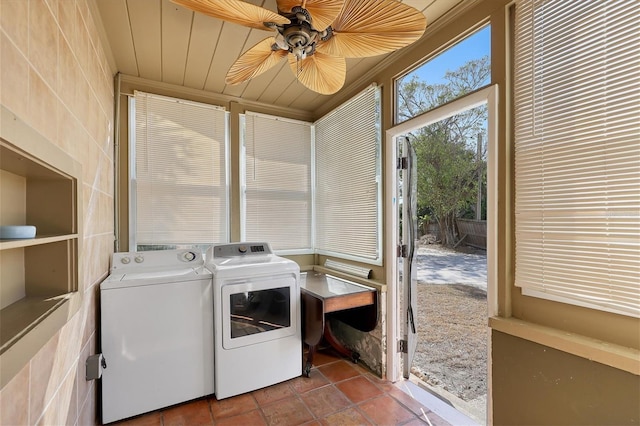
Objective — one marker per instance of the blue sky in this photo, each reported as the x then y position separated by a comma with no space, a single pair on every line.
475,46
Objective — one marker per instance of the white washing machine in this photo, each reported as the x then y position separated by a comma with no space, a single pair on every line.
256,309
156,332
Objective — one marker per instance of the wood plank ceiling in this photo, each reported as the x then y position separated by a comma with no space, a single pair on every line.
161,41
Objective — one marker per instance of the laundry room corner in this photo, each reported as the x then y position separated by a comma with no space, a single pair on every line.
367,344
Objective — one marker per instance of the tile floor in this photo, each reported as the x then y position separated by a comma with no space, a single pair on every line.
337,392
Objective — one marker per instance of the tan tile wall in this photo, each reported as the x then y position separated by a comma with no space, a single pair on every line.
55,76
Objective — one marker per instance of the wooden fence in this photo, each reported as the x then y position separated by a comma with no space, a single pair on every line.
473,232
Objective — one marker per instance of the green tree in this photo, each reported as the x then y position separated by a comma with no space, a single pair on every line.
447,162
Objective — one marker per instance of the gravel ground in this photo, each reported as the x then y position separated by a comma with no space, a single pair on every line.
452,339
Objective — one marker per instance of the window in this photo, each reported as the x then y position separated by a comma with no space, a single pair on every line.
577,152
178,173
277,182
348,206
459,70
315,187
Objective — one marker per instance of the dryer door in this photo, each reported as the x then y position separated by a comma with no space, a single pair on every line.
260,309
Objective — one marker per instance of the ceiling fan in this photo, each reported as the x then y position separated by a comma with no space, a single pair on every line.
316,35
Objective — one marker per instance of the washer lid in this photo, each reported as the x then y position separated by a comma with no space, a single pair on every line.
154,277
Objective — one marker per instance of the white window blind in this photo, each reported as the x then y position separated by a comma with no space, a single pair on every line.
348,179
277,202
577,152
178,172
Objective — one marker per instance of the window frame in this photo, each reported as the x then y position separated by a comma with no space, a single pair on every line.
374,259
132,180
530,287
444,49
243,182
377,258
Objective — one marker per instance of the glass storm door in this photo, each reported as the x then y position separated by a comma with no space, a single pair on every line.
408,233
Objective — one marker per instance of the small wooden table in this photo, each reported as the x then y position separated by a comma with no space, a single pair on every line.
323,296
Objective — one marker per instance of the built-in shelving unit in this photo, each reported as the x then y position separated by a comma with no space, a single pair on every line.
39,186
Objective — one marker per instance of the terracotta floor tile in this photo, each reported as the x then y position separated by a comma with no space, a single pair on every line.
287,412
362,368
253,418
232,406
193,413
151,419
325,401
273,393
304,384
324,356
336,393
359,389
338,371
385,410
350,416
383,384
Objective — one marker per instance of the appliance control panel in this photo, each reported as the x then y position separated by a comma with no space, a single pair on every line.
241,249
154,259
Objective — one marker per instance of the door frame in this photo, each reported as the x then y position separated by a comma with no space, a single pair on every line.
488,95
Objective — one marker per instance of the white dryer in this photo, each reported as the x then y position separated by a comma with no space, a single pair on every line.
256,316
156,332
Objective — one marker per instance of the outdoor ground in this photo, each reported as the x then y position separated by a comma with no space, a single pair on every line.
452,323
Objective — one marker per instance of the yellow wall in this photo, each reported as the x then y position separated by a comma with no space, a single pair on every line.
537,385
54,76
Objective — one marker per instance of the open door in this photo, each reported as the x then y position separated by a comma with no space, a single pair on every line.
407,251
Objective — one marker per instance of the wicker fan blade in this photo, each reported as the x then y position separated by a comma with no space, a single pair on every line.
373,27
323,12
254,62
321,73
235,11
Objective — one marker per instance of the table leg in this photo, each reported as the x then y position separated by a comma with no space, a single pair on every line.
309,363
314,323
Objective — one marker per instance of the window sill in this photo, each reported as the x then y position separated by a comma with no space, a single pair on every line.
616,356
382,288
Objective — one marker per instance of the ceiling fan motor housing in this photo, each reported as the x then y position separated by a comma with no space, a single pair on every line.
299,36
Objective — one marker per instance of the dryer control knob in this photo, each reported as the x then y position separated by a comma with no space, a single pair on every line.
125,260
242,249
139,259
189,256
